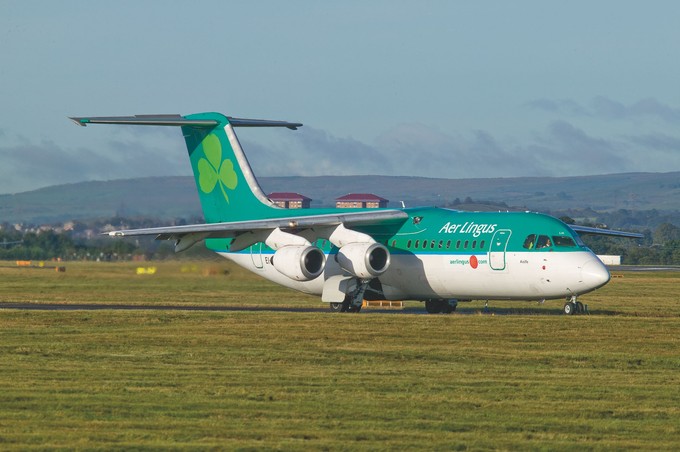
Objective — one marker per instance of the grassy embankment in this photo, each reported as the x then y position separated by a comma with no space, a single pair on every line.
289,380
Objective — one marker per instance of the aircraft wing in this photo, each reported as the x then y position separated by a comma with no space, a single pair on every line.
235,228
608,232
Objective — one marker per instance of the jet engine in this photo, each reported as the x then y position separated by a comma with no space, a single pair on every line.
364,260
299,262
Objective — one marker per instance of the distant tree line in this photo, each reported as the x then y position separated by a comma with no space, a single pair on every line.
47,245
660,247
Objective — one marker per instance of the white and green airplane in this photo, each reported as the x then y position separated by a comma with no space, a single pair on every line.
435,255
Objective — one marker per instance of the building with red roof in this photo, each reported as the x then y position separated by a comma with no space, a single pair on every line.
360,200
289,200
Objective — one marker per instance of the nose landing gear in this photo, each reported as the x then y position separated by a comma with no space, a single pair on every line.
573,306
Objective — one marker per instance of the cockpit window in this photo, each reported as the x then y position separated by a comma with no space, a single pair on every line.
561,240
543,242
529,241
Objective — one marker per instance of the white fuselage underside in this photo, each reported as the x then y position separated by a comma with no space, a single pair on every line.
517,275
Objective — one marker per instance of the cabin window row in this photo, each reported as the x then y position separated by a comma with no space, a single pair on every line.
431,244
441,244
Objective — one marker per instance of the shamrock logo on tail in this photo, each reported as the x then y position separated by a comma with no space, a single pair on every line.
212,169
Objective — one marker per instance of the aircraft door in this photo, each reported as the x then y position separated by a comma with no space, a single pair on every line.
499,243
256,255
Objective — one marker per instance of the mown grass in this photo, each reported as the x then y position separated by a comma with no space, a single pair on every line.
307,380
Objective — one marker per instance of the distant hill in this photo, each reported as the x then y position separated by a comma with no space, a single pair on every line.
176,197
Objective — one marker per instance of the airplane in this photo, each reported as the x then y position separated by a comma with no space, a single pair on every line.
435,255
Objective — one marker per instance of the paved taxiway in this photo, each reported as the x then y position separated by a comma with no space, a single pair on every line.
132,307
522,309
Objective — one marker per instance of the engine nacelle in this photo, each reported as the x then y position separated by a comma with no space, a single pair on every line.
299,262
364,260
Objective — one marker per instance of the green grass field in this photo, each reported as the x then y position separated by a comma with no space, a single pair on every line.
138,379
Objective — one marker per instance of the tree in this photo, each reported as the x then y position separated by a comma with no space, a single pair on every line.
665,233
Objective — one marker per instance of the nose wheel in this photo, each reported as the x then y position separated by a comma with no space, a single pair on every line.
573,306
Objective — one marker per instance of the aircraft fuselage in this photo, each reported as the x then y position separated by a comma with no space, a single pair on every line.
445,254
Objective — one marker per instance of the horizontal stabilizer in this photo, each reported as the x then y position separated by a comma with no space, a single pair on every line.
178,120
146,120
243,122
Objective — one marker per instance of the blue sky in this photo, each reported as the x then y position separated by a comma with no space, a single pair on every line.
433,88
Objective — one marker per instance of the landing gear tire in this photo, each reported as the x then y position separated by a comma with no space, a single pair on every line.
570,308
580,309
336,307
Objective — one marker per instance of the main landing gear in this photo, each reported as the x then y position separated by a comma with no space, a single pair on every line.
573,306
345,306
353,301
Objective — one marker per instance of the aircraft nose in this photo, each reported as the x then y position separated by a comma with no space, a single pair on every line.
594,274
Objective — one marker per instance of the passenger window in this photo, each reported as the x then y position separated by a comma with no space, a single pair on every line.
458,244
481,245
408,244
424,244
560,240
417,243
543,242
529,242
432,244
441,243
394,243
474,244
448,244
466,244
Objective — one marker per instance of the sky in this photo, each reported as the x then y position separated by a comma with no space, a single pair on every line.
452,89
